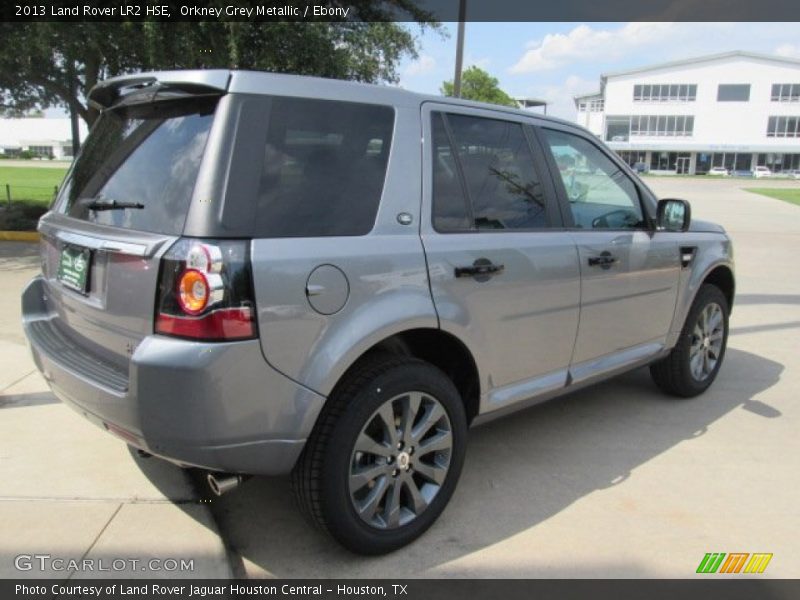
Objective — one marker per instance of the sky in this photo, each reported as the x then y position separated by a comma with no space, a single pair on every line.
556,61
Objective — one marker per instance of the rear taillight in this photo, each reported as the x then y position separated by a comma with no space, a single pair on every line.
205,291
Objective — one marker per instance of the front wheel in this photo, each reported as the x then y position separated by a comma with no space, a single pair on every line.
385,457
695,360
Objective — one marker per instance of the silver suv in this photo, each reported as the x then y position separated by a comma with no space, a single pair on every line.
251,273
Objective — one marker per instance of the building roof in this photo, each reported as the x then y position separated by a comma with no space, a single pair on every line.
530,102
701,59
15,133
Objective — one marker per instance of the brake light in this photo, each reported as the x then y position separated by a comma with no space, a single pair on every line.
206,292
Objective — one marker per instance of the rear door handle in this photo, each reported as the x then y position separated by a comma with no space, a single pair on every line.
604,261
481,267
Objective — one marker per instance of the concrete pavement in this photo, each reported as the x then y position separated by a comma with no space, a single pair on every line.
72,491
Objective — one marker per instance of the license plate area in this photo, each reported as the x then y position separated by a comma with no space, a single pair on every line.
74,267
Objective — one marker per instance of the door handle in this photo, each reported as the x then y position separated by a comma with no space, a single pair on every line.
480,268
604,261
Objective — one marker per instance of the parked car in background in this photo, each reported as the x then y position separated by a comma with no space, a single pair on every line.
760,172
719,171
794,174
261,274
641,167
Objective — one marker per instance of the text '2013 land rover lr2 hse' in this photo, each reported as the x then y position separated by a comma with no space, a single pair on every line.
252,273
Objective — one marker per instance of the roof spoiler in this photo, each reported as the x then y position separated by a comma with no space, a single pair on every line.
107,92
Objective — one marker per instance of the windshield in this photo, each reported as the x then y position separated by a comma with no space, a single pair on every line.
145,158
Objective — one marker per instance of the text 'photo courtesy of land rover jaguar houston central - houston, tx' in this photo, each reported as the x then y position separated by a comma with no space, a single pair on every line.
259,274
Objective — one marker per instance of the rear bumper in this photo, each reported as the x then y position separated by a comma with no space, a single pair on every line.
215,406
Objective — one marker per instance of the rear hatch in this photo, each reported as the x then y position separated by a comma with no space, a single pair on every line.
122,205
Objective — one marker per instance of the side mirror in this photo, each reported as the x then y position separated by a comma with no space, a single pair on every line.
673,214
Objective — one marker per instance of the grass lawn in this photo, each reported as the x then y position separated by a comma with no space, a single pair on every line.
787,195
34,184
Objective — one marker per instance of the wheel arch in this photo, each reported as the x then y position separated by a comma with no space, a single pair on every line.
721,276
439,348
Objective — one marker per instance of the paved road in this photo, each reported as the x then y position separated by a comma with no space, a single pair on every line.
613,481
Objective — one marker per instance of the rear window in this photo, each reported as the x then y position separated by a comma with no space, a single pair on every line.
324,166
146,155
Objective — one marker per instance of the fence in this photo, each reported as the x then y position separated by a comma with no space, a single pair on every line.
37,193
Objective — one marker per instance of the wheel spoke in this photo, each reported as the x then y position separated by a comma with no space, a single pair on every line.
443,440
715,320
418,502
410,410
369,506
363,476
386,413
392,511
696,365
433,472
368,445
716,336
433,413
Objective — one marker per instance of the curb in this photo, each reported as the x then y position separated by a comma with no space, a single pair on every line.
19,236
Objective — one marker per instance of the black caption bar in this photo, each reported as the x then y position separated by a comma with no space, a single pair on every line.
438,589
401,10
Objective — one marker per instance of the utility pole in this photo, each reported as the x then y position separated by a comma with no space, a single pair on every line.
462,14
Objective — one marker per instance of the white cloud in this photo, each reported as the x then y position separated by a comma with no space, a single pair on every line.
481,63
424,64
560,97
583,42
788,50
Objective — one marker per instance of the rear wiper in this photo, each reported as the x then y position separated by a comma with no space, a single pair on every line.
112,205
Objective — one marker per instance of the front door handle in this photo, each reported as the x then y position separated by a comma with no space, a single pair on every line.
481,269
604,261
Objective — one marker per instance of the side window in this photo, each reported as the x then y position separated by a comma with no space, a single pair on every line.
600,195
324,165
502,188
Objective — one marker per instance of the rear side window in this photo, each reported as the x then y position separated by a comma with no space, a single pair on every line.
147,156
484,176
324,166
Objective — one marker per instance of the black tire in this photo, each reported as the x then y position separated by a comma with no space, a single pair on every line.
673,374
321,477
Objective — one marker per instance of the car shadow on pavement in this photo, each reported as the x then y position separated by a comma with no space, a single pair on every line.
519,471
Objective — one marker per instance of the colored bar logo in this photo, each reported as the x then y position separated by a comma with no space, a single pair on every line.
735,562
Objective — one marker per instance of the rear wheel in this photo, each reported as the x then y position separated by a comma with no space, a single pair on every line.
695,360
385,456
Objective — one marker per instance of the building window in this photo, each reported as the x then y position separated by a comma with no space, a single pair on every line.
777,161
633,157
786,92
44,151
733,92
595,105
733,161
662,125
783,127
665,92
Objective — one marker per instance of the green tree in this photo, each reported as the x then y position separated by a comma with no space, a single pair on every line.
477,84
55,64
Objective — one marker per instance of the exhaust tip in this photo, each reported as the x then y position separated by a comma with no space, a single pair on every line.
220,483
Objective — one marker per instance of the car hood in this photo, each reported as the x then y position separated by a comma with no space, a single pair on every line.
705,227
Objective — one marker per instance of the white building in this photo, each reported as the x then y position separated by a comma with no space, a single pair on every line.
737,110
43,137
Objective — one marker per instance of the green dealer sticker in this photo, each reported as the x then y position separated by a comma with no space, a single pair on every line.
73,268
